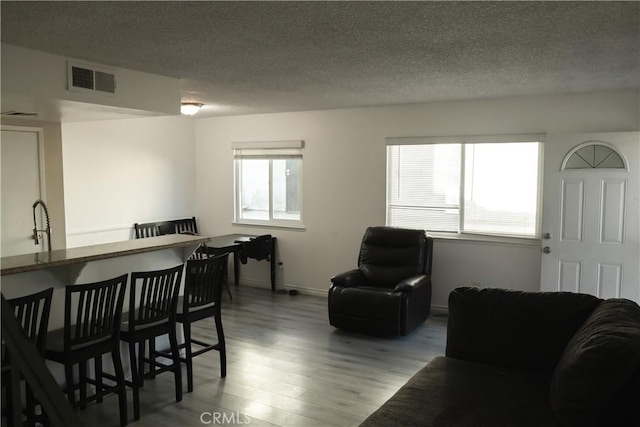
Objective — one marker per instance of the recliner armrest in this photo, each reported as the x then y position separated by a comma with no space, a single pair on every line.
350,278
413,283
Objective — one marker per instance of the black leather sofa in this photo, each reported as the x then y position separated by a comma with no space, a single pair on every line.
516,359
390,291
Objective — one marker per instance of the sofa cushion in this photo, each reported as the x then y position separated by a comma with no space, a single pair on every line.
599,367
451,392
526,330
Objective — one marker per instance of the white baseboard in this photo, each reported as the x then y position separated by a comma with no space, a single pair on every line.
96,236
267,285
128,227
435,309
308,291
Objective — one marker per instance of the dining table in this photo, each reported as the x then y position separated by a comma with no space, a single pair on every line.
233,243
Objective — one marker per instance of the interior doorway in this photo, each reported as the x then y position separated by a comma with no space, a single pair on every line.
22,183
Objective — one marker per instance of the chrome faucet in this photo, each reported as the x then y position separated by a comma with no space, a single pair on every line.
35,225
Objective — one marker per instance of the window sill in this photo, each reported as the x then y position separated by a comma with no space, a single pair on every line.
485,239
271,225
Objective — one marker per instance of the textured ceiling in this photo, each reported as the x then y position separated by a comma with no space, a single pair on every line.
253,57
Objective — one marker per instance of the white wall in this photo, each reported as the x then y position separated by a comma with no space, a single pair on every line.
125,171
31,78
118,172
344,179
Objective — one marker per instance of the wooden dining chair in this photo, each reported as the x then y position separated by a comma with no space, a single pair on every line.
153,229
153,299
32,313
202,299
92,316
185,226
160,228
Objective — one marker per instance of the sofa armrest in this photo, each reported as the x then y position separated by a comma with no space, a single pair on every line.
349,278
413,283
598,377
517,329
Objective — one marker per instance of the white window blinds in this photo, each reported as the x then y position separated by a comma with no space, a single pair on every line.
267,149
501,189
453,184
424,186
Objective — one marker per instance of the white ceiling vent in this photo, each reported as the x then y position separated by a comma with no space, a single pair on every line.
90,78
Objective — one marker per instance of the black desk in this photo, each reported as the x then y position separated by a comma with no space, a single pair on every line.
232,243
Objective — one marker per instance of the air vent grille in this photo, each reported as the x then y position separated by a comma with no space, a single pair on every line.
82,77
105,82
88,78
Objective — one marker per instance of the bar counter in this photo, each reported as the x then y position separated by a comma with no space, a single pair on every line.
26,274
64,257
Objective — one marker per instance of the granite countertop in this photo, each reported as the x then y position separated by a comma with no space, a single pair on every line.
42,260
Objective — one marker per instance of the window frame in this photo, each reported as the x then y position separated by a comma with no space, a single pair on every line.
266,150
461,233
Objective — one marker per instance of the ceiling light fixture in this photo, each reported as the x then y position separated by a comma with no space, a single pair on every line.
190,108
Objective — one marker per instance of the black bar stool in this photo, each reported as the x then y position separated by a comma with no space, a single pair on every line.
152,313
32,313
204,280
92,317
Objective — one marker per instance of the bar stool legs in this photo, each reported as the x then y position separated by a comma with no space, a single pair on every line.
177,372
202,299
152,313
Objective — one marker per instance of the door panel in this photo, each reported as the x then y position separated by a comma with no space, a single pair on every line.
569,276
572,210
592,217
612,215
609,280
21,183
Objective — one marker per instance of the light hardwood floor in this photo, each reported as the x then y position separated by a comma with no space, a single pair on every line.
286,366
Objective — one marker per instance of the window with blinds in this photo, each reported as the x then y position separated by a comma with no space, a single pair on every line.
455,185
267,184
424,186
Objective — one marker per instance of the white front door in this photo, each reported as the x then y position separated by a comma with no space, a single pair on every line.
21,185
591,214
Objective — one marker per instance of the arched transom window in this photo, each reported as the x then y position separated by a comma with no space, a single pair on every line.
594,155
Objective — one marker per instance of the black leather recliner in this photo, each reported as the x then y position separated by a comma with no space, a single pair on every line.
390,291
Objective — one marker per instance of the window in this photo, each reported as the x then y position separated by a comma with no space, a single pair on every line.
482,185
268,177
594,155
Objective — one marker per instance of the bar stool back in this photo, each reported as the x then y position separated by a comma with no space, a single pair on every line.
92,316
32,313
202,298
203,252
152,313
